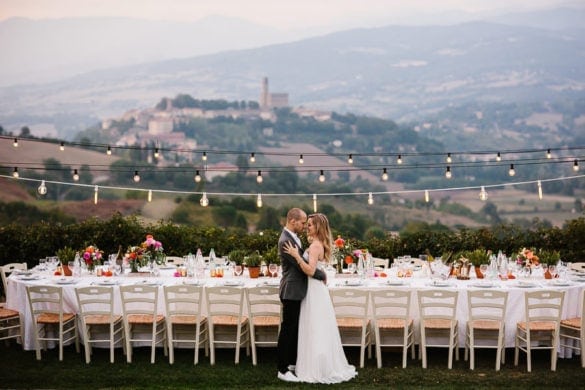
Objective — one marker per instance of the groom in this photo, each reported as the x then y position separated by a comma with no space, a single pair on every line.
293,288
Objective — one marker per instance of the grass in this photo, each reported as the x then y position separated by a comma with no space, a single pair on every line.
20,369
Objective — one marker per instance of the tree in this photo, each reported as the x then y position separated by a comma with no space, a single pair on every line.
24,131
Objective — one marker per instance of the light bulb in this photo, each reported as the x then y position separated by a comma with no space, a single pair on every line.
204,156
548,154
149,196
449,159
483,195
384,174
197,177
350,159
95,195
109,151
370,199
314,203
136,176
259,200
539,190
42,190
321,177
156,153
15,143
301,160
75,175
399,159
259,177
62,146
252,157
204,201
427,196
448,173
512,171
576,165
15,173
498,157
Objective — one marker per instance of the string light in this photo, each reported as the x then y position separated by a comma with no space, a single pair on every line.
427,196
95,195
42,190
109,151
204,201
350,159
448,173
498,157
15,143
75,175
483,195
314,203
449,159
576,165
370,199
197,177
252,157
16,175
399,159
149,198
548,154
259,200
155,152
322,176
539,190
62,146
259,177
301,160
512,171
385,174
136,177
204,156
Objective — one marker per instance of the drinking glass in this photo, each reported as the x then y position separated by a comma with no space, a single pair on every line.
552,270
351,268
273,268
71,266
238,269
42,264
483,269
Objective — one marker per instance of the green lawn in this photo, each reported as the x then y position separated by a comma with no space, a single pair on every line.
20,369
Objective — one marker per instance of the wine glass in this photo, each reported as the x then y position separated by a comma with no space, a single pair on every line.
71,265
483,269
552,270
273,268
238,269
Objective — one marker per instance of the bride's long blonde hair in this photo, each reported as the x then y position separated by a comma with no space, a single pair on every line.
323,233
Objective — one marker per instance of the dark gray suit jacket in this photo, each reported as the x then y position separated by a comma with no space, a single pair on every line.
293,284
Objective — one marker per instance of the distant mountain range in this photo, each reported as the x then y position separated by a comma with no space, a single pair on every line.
395,72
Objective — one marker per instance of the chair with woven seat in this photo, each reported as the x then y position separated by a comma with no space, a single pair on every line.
579,267
571,332
139,307
381,263
175,260
96,312
264,309
351,312
393,326
540,329
438,310
487,309
6,270
10,324
51,322
227,324
185,324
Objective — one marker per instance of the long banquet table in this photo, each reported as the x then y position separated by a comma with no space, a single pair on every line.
17,298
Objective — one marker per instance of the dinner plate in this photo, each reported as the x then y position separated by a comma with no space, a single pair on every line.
526,285
232,283
29,277
22,272
168,267
193,282
393,282
350,282
272,282
66,281
107,282
483,285
561,283
439,283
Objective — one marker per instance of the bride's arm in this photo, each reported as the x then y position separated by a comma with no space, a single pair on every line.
310,267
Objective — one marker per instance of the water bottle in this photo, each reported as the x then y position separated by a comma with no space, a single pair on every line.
361,268
212,256
493,269
199,265
78,263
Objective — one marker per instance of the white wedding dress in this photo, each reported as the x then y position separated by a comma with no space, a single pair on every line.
320,356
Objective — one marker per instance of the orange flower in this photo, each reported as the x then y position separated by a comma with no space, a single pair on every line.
339,242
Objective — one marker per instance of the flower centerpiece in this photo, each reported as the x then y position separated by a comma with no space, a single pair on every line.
527,258
342,253
141,255
134,257
92,256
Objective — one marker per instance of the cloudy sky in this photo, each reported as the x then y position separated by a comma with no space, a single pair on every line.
284,14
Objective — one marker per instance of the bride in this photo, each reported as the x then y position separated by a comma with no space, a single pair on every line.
320,355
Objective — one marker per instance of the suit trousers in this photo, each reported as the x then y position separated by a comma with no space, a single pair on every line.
289,334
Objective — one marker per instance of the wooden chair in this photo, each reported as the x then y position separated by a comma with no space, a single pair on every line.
540,330
571,332
393,326
487,310
10,325
175,260
438,310
185,324
264,309
381,263
139,305
51,323
96,312
6,270
351,311
227,324
579,267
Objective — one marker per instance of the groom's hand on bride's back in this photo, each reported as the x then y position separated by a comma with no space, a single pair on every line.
320,275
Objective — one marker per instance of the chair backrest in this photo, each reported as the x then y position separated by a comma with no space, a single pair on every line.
224,301
6,270
95,300
544,305
263,301
391,304
175,260
487,305
578,266
378,262
183,300
350,303
45,299
437,304
139,299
